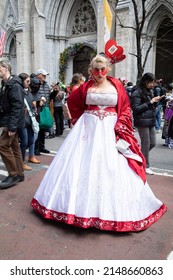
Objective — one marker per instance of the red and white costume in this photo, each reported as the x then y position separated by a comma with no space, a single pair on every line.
96,180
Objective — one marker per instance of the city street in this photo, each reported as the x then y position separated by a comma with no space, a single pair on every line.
25,235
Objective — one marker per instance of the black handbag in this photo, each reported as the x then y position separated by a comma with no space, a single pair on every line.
27,118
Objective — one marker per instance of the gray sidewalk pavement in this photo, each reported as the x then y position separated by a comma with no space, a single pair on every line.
25,235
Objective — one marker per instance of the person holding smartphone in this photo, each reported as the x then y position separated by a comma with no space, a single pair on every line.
143,104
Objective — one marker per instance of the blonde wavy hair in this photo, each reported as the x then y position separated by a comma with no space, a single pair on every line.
98,58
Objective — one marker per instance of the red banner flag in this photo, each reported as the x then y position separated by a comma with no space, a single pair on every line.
2,40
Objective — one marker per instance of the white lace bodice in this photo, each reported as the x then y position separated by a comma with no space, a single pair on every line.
102,99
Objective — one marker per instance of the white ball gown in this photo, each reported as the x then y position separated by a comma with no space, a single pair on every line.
89,182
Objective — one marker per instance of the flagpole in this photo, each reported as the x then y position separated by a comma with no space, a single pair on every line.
13,35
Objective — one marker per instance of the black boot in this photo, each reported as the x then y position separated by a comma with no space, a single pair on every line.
45,151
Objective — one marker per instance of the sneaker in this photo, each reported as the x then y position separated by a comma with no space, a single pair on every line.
149,171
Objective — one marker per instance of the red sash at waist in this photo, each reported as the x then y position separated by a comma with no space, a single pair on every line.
100,112
96,108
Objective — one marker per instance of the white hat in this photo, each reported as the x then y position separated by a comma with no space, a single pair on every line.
41,71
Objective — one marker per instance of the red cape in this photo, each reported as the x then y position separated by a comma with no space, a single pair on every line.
123,128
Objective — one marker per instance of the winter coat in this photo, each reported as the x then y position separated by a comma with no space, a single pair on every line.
12,104
143,110
44,91
29,98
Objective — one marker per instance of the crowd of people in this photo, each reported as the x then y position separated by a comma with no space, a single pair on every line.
102,179
32,93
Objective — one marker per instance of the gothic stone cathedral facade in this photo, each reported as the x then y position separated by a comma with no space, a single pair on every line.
38,31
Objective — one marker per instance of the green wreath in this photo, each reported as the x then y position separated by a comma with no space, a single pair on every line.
64,57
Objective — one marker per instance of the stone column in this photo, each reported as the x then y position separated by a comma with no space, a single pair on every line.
23,48
40,55
100,26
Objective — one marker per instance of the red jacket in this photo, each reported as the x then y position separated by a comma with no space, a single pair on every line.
123,128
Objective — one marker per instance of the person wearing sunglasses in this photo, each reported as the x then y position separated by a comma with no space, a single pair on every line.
97,179
26,134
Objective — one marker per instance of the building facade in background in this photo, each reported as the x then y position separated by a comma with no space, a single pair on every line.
64,35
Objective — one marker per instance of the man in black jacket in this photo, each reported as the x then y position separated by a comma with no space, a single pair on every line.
11,118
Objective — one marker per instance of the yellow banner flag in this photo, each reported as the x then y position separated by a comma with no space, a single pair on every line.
107,21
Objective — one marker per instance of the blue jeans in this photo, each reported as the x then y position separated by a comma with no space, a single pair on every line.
26,136
32,146
158,117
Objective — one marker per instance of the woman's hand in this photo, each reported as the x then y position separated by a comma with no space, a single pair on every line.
42,101
11,133
34,104
156,99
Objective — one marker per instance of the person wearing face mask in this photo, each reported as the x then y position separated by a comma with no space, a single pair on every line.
143,104
26,134
42,97
101,178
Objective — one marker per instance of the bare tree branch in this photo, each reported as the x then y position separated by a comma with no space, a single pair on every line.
141,15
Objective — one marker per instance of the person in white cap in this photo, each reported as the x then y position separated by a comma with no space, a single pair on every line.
42,97
42,72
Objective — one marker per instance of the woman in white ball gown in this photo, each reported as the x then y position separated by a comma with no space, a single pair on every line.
97,178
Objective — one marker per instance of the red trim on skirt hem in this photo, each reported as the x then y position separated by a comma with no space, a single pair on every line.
99,223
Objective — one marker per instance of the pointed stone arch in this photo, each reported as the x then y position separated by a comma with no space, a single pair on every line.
81,61
62,33
80,56
164,51
10,48
9,22
161,21
84,19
